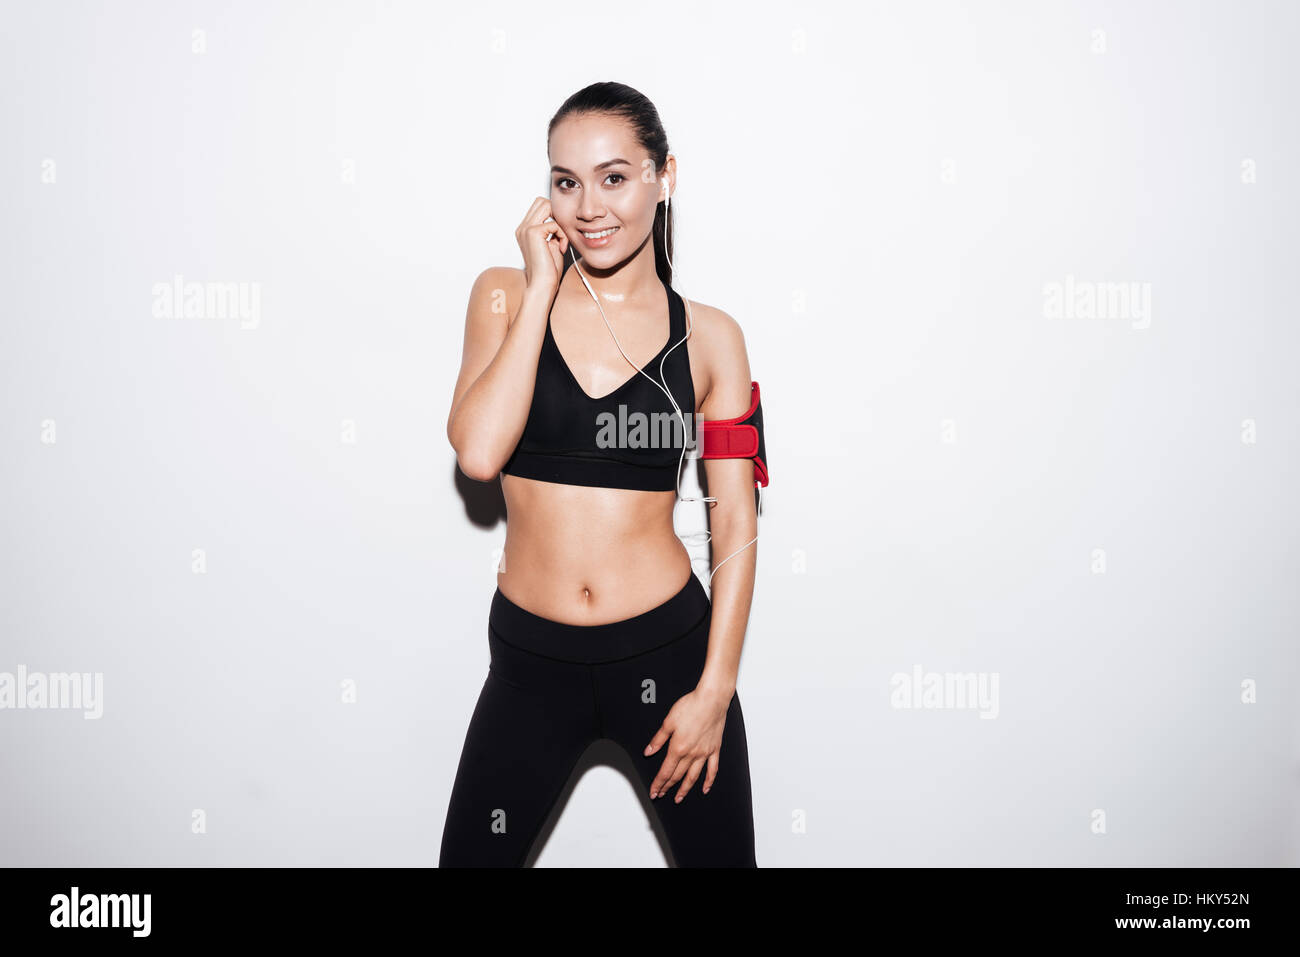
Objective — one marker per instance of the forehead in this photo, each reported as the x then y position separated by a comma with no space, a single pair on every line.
581,142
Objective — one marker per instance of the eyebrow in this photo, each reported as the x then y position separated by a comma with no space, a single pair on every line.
613,162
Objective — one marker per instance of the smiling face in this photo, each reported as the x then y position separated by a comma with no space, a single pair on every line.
599,193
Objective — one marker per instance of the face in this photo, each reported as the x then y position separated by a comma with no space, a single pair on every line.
599,183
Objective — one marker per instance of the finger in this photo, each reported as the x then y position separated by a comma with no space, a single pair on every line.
680,768
713,772
548,210
540,209
691,777
563,238
657,741
554,232
548,231
535,214
666,776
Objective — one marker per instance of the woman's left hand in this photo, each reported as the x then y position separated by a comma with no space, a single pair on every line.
694,723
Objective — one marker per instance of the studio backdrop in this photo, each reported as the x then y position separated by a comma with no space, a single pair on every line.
1017,280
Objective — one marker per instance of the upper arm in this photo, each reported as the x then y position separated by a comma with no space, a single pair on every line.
728,366
493,301
729,396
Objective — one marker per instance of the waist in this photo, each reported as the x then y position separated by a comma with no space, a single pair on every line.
580,554
683,612
576,578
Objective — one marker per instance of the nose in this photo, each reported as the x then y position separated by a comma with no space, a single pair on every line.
590,210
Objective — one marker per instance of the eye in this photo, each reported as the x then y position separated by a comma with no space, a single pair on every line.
564,179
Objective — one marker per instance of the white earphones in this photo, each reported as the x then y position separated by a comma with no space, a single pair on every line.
662,384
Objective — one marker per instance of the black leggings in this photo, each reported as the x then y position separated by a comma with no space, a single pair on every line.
554,688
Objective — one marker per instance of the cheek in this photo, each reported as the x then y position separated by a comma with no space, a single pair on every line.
635,212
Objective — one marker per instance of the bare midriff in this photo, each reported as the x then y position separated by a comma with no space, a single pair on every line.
589,556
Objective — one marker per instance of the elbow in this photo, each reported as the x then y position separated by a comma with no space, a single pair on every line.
474,461
477,468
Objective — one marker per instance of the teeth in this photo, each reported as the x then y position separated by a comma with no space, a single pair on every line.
602,233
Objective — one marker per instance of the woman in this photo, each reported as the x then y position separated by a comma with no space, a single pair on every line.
599,627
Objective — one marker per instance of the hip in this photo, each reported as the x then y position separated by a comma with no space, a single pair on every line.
687,611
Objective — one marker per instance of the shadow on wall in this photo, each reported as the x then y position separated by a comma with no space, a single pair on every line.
485,506
606,752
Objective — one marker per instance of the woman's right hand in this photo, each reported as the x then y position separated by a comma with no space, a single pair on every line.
543,259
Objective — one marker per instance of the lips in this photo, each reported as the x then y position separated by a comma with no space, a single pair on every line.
602,241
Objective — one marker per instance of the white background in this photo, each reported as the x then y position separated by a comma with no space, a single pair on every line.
878,194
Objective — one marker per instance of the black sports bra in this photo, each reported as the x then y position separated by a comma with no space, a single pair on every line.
629,438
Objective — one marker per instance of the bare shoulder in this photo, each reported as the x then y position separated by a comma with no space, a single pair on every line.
715,327
719,342
502,286
505,275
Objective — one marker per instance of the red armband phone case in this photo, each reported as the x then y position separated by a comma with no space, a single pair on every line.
738,438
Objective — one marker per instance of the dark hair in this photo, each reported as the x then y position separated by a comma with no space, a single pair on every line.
619,99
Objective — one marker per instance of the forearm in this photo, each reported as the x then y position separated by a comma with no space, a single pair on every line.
731,526
486,423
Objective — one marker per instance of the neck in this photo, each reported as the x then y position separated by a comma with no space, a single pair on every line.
632,281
